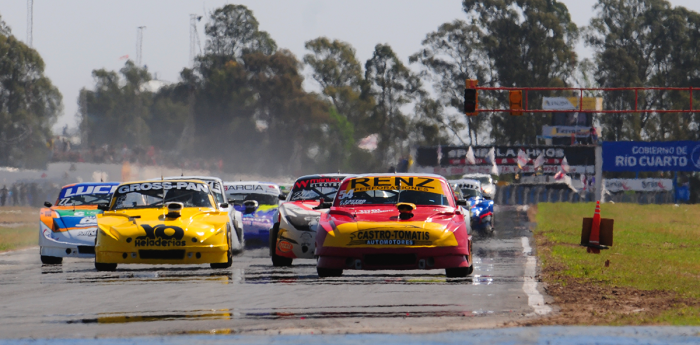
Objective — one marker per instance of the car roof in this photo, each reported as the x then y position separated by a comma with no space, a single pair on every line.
324,175
250,182
192,177
465,180
91,184
151,181
402,175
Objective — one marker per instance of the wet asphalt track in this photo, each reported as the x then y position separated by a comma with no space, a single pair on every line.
74,300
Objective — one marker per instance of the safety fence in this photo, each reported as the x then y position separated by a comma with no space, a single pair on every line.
533,194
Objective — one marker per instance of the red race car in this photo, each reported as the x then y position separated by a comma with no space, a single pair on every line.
394,221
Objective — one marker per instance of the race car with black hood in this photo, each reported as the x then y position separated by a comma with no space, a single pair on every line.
163,222
394,221
292,236
68,227
258,202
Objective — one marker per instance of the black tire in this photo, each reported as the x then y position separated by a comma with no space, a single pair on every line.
105,267
488,228
277,261
329,272
457,272
51,260
229,255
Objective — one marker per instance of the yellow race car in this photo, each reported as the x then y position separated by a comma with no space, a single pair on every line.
163,222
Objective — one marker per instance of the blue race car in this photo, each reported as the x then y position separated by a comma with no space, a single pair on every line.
258,202
481,209
68,227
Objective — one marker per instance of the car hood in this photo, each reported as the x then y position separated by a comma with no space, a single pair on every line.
429,226
199,223
70,218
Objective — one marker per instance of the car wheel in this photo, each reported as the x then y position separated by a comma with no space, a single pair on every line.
277,261
51,260
105,267
329,272
457,272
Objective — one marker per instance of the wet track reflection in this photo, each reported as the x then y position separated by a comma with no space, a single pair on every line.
253,294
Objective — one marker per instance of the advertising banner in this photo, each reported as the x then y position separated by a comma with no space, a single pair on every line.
651,156
639,185
452,160
565,131
571,103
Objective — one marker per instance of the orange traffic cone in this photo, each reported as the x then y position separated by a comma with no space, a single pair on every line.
594,239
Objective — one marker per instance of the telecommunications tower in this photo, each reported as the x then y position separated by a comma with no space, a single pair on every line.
30,22
139,45
194,37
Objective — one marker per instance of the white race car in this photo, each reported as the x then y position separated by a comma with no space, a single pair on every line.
293,234
68,228
488,187
217,188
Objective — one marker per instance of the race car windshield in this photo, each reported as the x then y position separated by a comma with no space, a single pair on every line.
386,197
262,199
156,194
84,199
316,188
469,193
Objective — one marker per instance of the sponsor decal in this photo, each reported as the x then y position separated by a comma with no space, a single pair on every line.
318,182
284,246
89,189
163,185
421,184
90,233
352,202
244,187
251,188
161,235
372,211
390,237
87,221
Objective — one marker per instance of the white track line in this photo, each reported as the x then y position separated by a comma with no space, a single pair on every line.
534,298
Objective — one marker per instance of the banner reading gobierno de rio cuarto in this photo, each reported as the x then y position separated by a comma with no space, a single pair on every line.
651,156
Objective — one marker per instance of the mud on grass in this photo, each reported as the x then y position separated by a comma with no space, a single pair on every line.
650,276
19,227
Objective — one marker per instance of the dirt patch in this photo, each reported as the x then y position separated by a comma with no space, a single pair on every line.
589,302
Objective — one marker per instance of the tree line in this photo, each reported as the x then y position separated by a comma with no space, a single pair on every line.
243,99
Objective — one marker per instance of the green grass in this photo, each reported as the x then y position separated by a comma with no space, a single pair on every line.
19,227
656,247
19,237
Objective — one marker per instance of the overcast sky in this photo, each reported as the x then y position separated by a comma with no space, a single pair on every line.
75,37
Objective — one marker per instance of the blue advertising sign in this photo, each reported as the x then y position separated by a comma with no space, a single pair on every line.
651,156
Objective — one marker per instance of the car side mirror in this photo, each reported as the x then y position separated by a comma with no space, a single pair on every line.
461,202
103,207
223,205
282,197
47,204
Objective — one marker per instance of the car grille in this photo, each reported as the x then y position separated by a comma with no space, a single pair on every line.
86,249
389,259
174,254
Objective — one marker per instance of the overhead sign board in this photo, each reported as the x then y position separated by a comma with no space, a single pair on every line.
572,103
565,131
651,156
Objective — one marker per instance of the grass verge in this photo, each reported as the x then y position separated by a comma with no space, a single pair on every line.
650,276
19,227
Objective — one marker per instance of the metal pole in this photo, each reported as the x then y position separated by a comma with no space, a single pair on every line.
599,173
